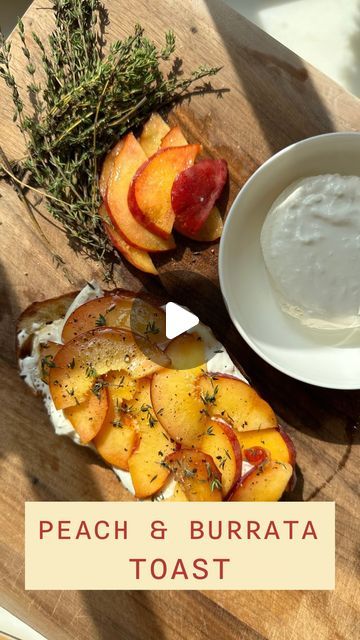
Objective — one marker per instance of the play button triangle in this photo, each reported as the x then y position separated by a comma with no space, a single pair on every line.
178,320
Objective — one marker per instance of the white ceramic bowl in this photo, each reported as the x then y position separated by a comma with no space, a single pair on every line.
323,358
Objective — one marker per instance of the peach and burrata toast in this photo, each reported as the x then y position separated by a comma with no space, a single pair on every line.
153,185
171,428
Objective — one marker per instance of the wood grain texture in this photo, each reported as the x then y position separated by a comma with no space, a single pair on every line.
274,99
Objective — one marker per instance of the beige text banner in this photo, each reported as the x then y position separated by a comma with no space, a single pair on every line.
151,545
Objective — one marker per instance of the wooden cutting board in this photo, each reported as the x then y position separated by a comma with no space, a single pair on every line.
274,99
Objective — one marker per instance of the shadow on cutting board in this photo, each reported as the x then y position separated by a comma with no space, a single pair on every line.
35,464
284,117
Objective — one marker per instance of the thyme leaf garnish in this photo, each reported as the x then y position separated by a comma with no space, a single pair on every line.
215,484
100,321
146,408
47,362
210,398
98,386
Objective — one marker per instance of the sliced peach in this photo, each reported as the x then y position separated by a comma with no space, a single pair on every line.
187,351
211,230
107,167
188,396
121,310
149,196
197,474
148,474
153,132
194,193
265,483
174,138
88,416
137,257
118,435
179,495
220,442
174,393
48,351
126,163
79,362
236,402
275,441
121,387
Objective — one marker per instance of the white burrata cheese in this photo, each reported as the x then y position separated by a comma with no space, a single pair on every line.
311,246
218,361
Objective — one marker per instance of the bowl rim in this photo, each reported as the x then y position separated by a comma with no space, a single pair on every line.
221,269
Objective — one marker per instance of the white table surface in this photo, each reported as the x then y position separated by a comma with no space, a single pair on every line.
15,627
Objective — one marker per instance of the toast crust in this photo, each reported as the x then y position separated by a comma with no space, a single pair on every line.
42,312
46,311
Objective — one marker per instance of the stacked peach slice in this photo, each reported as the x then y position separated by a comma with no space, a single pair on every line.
149,408
152,185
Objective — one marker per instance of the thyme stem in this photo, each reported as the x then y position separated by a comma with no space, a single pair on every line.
6,167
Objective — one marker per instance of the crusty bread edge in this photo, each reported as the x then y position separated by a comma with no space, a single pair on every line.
41,313
46,311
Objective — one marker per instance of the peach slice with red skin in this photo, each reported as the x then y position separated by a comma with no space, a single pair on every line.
88,417
149,197
264,483
154,130
275,441
120,310
196,474
137,257
220,442
211,229
80,362
125,165
174,392
236,402
148,474
194,193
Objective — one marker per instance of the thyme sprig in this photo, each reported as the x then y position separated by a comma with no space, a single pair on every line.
146,408
81,101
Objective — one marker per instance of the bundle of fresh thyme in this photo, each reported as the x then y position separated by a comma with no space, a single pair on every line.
82,101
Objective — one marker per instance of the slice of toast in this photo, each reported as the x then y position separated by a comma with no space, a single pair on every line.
32,331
